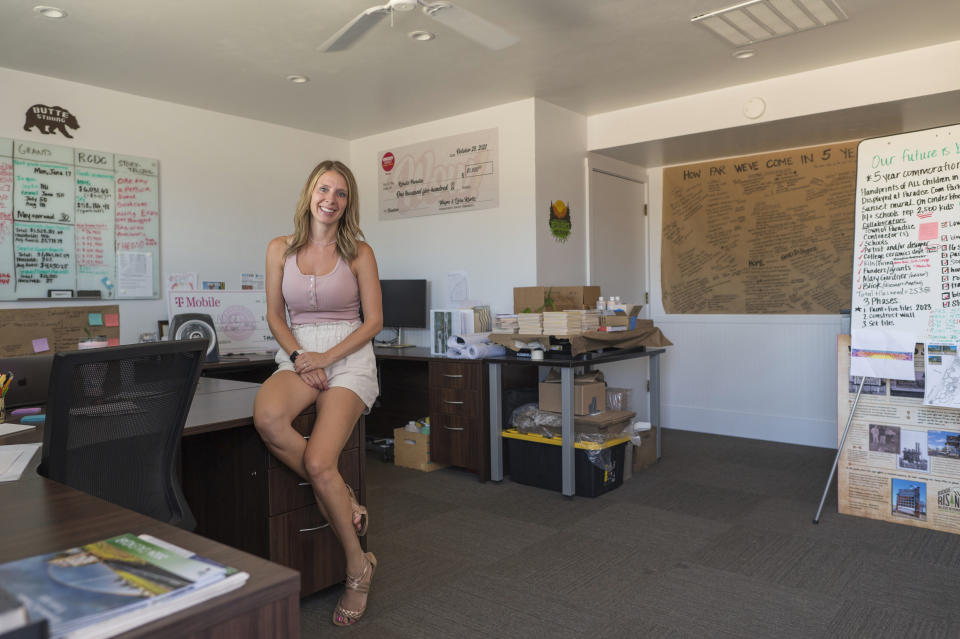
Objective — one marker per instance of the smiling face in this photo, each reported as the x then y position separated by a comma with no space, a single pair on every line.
329,198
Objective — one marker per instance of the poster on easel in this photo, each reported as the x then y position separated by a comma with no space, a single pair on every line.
901,461
906,271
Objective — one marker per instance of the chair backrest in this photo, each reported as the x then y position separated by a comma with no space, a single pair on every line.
114,420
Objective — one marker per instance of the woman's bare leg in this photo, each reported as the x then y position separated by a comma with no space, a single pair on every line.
280,399
338,410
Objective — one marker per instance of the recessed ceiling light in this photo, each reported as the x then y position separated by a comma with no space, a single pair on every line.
421,36
50,12
298,79
744,54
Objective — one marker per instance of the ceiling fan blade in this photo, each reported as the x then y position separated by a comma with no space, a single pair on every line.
354,29
470,25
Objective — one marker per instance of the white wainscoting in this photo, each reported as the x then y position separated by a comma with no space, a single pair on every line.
769,377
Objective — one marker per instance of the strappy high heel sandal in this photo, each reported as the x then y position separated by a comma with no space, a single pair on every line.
357,508
362,584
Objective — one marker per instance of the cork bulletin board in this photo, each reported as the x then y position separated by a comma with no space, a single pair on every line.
767,233
27,331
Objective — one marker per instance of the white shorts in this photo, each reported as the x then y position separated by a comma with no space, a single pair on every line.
357,371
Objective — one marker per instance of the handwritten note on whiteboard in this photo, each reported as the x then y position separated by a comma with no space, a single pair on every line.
907,239
456,173
64,214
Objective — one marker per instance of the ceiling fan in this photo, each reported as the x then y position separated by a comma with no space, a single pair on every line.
466,23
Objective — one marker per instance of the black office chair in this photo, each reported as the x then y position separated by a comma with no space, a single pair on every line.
114,420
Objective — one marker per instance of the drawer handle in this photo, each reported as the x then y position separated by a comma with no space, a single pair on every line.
447,401
305,530
452,428
453,376
304,483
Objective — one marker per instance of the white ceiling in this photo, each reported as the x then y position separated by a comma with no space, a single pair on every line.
589,56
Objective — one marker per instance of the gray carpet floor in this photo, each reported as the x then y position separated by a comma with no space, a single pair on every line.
714,541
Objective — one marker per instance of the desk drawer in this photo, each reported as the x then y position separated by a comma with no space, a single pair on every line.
454,441
288,492
304,541
466,374
455,401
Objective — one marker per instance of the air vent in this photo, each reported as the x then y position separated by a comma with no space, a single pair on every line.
758,20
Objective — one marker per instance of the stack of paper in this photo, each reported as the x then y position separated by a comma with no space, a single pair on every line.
589,320
560,323
107,587
530,323
505,323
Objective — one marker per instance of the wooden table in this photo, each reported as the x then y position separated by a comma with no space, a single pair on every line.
43,516
566,366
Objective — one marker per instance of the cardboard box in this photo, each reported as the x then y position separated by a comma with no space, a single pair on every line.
536,299
600,427
412,450
589,394
645,454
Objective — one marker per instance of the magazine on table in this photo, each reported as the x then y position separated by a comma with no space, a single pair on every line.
107,587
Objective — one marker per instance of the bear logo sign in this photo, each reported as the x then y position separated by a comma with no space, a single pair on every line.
48,120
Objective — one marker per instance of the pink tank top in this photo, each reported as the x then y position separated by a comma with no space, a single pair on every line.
320,298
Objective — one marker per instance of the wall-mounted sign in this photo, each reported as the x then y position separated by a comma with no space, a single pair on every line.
50,119
457,173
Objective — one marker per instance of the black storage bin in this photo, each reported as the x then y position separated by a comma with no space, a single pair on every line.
536,461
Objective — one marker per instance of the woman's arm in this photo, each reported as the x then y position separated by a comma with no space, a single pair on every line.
276,307
368,279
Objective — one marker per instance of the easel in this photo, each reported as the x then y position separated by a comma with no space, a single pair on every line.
836,460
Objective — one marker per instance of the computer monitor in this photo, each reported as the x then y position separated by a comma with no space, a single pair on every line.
404,306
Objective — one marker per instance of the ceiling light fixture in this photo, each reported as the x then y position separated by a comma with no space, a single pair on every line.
744,54
758,20
421,36
49,12
298,79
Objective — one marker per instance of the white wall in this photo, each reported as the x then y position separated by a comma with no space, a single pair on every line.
561,145
227,184
493,246
761,376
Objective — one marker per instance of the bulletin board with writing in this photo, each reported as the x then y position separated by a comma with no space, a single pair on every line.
768,233
27,331
77,223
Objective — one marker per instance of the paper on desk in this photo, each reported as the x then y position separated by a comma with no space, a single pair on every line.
14,459
9,429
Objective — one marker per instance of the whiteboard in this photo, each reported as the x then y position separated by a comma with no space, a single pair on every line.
906,265
68,216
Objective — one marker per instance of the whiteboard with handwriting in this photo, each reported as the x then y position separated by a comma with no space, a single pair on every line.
68,216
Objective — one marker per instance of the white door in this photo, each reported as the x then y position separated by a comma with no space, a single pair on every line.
618,237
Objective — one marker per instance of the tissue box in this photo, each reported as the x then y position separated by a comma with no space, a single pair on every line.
412,450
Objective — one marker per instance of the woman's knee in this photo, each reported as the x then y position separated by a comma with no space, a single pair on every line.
269,418
321,469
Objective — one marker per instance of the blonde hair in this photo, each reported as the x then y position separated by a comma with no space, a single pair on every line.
349,234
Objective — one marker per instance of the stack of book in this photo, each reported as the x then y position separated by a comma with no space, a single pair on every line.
505,323
108,587
530,323
560,323
589,320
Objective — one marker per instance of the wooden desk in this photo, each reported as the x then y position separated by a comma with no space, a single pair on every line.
241,496
44,516
453,392
566,366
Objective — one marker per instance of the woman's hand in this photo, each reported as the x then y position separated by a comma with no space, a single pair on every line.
315,378
308,361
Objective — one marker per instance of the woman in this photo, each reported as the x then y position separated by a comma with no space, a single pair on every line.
322,275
